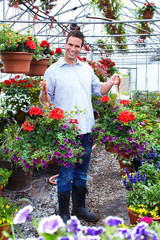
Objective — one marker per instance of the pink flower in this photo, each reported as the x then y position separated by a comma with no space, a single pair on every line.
146,219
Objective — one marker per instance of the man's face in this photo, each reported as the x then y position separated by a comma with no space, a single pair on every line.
73,48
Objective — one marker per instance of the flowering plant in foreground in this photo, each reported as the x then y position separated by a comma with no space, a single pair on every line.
143,190
20,93
45,135
7,210
52,227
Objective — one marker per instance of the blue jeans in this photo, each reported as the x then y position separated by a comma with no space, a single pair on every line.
76,176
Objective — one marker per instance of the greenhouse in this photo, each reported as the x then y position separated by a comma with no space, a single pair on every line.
80,119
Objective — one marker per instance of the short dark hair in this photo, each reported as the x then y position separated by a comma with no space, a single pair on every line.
77,34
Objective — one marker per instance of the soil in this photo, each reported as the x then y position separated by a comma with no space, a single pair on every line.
106,192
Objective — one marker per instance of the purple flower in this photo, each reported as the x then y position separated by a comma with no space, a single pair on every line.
43,162
102,130
113,221
17,138
66,164
70,155
56,142
50,224
73,225
64,126
59,155
131,131
56,153
34,160
62,147
66,140
69,150
120,127
27,166
110,138
104,139
47,129
24,161
23,215
65,155
93,231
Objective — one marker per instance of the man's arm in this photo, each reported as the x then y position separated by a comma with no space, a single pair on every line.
44,97
115,80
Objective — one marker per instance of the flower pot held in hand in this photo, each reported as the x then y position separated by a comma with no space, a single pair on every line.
38,68
16,62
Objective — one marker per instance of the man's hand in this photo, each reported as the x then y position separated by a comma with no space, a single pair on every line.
116,79
44,86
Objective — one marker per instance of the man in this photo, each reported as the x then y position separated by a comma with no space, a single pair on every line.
69,83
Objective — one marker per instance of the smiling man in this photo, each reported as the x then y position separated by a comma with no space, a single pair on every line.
69,83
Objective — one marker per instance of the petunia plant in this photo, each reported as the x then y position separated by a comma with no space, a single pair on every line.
52,227
118,127
46,134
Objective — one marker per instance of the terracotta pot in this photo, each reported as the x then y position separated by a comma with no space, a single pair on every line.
143,32
103,2
38,68
111,149
148,15
134,218
109,14
16,62
123,167
19,180
6,228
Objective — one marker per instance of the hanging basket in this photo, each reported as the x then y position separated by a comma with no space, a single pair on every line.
103,2
109,14
38,68
16,62
134,218
148,15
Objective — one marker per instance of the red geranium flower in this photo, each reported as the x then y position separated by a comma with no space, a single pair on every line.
52,52
125,102
73,121
44,43
31,44
105,99
28,126
126,116
57,113
35,111
58,50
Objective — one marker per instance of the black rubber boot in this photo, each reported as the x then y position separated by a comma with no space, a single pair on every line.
63,200
78,201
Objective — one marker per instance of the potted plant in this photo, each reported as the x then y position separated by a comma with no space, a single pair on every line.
47,134
45,5
140,43
8,209
4,175
146,11
19,95
105,45
16,50
41,59
143,192
118,128
144,28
